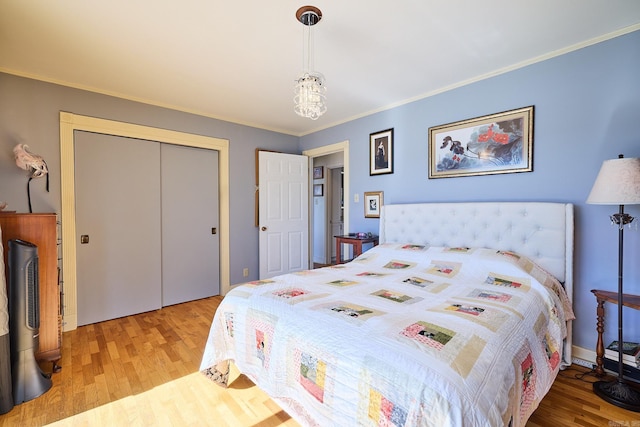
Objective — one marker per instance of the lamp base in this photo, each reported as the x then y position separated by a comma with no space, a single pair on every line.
618,393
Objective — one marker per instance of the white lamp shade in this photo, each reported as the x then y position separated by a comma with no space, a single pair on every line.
618,183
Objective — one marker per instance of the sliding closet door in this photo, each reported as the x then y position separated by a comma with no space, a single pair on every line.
190,242
118,226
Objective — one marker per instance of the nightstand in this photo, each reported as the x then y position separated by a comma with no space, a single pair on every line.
629,300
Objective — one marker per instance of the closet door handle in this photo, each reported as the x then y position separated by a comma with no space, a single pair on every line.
84,239
264,229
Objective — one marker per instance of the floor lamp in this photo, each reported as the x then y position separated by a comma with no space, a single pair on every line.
618,183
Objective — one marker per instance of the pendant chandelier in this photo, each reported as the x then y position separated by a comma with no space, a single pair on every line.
310,91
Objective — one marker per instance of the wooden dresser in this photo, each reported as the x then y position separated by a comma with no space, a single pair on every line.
41,229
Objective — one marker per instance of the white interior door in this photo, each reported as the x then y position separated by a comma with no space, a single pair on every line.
284,213
117,205
190,242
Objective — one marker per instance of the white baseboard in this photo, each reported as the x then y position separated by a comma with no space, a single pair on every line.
583,357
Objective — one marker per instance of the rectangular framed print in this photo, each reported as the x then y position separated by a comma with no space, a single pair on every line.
372,203
318,172
381,152
493,144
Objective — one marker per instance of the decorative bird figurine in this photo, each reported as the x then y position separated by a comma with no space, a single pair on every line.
32,163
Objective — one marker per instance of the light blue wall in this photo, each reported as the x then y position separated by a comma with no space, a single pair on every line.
29,114
587,109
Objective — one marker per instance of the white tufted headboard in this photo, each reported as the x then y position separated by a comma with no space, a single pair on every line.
541,231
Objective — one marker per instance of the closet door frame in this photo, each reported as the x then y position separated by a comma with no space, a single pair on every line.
69,123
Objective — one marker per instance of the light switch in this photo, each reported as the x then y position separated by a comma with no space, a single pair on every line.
356,198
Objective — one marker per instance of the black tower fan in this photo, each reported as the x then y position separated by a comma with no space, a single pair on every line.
28,380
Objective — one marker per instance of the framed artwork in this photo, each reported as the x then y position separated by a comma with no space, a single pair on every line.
381,152
317,190
373,201
493,144
318,172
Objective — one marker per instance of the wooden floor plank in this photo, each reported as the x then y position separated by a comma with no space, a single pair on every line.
143,371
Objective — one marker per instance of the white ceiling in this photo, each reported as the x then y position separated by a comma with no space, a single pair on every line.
237,60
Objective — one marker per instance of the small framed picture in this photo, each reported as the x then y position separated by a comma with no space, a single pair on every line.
317,190
318,172
372,203
381,152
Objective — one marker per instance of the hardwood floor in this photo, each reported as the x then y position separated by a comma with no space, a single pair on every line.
571,402
142,371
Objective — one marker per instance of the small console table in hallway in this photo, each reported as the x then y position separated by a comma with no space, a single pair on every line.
354,240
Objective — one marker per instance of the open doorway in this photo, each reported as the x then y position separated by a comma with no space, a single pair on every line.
328,207
335,211
329,204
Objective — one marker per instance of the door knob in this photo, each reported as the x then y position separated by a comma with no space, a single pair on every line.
264,229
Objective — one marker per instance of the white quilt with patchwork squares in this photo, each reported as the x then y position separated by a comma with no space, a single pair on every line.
404,335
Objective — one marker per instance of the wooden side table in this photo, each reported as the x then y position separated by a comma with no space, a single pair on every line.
628,300
354,240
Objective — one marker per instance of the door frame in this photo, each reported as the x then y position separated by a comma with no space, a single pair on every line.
329,244
323,151
69,123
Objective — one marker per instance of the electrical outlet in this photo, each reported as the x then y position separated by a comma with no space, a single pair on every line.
245,272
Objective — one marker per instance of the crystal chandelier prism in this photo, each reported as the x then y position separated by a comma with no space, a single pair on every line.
309,90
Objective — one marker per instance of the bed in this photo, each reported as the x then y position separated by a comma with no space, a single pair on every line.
461,316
